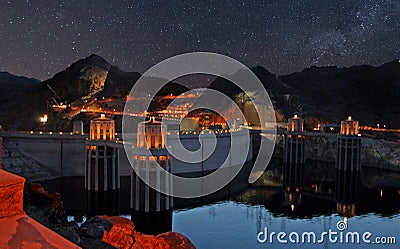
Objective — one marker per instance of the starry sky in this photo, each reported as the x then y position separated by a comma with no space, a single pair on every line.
41,38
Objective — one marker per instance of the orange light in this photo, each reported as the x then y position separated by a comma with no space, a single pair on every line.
43,118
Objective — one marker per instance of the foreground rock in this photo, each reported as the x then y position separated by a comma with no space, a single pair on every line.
120,232
18,230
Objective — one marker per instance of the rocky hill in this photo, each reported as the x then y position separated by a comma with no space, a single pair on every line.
88,83
82,79
14,90
329,94
321,94
12,86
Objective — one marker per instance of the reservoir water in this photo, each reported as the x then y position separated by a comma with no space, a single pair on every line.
234,219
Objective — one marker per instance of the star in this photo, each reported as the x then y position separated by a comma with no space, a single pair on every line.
282,36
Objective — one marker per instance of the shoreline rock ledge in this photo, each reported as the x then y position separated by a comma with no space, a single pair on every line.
120,233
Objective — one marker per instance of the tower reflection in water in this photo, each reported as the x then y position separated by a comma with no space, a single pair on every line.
109,203
348,168
102,181
293,166
101,202
150,210
346,194
152,222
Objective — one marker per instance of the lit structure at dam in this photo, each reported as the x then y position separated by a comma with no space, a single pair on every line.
293,161
102,162
348,167
151,137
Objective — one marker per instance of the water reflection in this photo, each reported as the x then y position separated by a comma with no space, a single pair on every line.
101,202
152,222
293,184
253,208
347,192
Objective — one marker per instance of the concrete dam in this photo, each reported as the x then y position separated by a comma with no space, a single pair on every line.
64,153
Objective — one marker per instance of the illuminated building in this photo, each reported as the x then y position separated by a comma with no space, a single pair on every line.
189,124
77,127
102,162
102,128
348,168
349,143
149,155
43,119
176,111
329,128
294,142
206,118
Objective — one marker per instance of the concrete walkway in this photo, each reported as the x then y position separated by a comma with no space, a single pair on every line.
17,229
23,165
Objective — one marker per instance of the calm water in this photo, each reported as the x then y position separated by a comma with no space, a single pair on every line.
235,220
232,224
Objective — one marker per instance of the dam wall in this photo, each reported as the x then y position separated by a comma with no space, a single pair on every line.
64,153
323,147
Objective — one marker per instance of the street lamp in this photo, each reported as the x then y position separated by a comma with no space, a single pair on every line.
43,118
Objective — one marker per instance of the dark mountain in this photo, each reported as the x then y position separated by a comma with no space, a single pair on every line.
14,90
370,94
88,83
118,82
329,94
12,86
81,79
268,79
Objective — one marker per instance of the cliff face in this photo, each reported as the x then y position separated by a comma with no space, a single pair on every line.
329,94
82,79
118,83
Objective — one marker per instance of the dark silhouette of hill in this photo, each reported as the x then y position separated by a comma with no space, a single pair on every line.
87,80
329,94
320,94
12,86
14,89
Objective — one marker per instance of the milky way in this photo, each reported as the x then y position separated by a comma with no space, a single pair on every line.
40,38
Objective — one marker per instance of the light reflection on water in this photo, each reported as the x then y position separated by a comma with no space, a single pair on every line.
235,221
236,225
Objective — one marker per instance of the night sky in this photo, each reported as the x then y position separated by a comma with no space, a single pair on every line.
41,38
